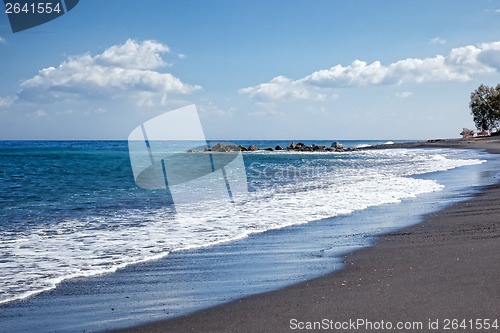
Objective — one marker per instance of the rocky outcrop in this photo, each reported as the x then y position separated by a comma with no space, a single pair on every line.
233,147
222,148
301,147
219,146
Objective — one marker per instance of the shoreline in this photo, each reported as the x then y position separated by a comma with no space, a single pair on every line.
446,267
490,144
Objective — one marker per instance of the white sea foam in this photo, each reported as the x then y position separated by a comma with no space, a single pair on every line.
42,257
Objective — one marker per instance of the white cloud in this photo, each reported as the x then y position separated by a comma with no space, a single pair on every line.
437,40
490,55
497,11
2,40
404,94
127,70
282,87
133,55
461,65
181,56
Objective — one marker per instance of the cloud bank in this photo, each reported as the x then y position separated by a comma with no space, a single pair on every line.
282,87
129,70
461,65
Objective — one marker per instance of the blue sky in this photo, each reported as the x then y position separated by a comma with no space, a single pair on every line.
255,69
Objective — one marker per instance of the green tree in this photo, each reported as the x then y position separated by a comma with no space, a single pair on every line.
485,107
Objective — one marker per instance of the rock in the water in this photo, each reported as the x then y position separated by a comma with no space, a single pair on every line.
193,151
316,147
243,148
253,148
218,146
301,145
278,147
336,145
233,148
292,146
207,149
269,149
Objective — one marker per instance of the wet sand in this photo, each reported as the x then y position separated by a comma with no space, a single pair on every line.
445,268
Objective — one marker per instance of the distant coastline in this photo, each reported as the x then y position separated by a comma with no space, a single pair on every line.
479,142
489,143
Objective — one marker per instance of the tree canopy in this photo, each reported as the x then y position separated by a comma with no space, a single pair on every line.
485,107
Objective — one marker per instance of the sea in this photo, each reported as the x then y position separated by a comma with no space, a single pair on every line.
83,247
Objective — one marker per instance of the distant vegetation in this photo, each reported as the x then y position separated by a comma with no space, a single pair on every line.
485,107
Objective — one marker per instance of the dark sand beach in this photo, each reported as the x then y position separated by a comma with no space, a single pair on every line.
443,269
